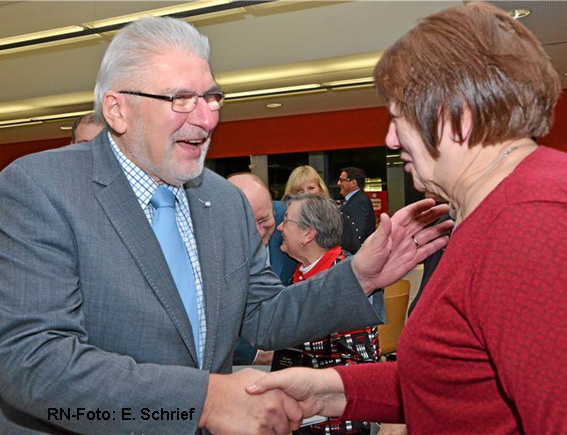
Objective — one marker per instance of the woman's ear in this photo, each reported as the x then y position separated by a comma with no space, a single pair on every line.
310,234
113,109
445,127
466,123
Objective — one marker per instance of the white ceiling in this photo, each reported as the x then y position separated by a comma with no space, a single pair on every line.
289,42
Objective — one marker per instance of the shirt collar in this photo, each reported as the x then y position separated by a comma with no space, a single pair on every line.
143,185
349,196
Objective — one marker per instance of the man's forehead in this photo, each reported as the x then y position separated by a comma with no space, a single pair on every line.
181,71
265,205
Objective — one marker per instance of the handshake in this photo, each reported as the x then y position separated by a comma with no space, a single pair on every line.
249,401
253,402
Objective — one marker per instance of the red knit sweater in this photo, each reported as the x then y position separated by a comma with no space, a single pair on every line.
485,350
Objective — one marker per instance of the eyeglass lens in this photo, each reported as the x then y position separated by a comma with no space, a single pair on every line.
187,102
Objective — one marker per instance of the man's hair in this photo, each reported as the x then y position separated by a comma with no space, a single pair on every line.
251,176
356,174
477,58
301,175
128,57
319,213
88,118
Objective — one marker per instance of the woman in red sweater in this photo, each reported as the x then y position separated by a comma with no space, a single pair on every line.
311,233
485,350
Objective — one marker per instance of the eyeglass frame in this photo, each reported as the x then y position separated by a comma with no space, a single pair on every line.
342,180
285,220
193,96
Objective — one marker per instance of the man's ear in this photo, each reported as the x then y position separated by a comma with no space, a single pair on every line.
113,109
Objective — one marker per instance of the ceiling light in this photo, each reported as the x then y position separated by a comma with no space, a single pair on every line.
193,11
39,35
350,82
273,105
61,116
11,108
66,127
356,64
49,44
518,14
21,125
273,91
19,121
171,10
339,85
40,119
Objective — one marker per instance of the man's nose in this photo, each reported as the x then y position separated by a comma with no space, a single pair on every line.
202,116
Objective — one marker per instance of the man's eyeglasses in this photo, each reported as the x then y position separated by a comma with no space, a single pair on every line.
342,180
185,102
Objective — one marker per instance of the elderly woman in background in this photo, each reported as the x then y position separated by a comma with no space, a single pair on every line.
486,347
305,179
311,233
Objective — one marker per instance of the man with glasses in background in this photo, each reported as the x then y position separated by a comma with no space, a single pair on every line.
127,271
85,128
358,214
268,214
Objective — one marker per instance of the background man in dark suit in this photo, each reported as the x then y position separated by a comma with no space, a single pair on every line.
357,211
90,313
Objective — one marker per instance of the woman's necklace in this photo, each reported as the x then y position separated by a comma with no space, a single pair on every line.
493,166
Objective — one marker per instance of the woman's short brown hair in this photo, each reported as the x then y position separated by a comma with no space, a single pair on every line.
474,57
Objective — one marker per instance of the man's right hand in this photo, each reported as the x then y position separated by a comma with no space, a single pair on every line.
229,409
318,392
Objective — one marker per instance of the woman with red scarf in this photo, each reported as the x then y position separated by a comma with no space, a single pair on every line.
311,233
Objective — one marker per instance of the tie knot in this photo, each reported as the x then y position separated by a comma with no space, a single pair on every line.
163,198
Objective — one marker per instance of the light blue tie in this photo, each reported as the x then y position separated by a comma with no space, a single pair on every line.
175,252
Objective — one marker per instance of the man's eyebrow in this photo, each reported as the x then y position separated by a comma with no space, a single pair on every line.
173,91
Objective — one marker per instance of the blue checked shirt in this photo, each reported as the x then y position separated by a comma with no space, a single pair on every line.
144,186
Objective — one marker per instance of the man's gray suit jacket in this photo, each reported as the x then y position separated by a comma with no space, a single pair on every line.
89,314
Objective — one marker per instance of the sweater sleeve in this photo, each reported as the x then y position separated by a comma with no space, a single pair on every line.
521,307
373,392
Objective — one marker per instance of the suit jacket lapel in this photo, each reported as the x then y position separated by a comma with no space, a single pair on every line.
208,246
122,208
